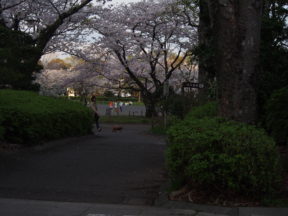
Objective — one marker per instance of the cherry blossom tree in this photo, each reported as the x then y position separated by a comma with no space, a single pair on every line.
45,21
52,81
60,74
146,42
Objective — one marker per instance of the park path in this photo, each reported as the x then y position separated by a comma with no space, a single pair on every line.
87,176
120,168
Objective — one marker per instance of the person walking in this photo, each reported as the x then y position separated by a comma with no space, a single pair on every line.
120,106
94,108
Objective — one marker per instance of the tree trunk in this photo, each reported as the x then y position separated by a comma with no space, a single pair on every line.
238,25
150,105
206,47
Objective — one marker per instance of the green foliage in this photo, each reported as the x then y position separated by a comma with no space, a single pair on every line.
28,118
205,54
158,127
274,201
214,154
274,74
274,52
18,59
206,110
108,93
158,130
176,105
276,118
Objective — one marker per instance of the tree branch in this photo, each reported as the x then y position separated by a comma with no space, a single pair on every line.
47,33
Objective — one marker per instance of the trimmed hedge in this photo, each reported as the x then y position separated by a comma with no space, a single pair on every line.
29,118
213,154
276,119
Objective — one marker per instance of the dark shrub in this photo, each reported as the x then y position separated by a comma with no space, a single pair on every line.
108,93
18,59
215,154
206,110
29,118
276,119
177,105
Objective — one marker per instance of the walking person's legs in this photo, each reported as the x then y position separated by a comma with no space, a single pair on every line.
96,117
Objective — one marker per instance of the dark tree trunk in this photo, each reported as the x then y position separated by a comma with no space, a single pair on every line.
150,105
238,25
206,46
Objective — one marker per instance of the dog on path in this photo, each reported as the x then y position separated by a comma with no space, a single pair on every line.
116,128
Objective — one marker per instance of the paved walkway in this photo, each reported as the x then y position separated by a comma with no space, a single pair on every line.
15,207
10,207
81,175
122,168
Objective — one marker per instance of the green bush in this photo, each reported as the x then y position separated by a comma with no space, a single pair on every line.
29,118
108,93
214,154
206,110
179,105
158,127
276,119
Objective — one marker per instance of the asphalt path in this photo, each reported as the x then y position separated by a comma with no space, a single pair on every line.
120,168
